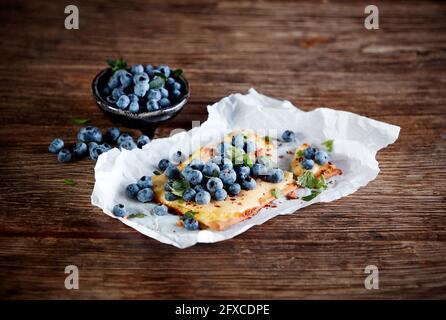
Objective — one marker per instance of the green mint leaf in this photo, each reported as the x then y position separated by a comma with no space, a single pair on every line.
299,153
157,173
247,160
177,73
136,215
79,121
328,145
160,74
277,193
308,180
179,186
117,64
310,197
69,182
236,154
189,215
156,83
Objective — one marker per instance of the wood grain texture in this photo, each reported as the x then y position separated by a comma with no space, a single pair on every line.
311,53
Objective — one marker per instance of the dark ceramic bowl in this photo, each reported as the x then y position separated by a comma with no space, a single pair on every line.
144,121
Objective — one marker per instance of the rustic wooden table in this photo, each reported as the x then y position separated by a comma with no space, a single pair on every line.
311,53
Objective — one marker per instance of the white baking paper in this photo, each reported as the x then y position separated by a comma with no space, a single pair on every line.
356,142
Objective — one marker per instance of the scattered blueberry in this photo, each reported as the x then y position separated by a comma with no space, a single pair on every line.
189,194
128,145
214,184
119,210
172,172
228,176
80,149
220,195
242,172
64,155
321,157
89,134
248,183
259,170
112,134
234,189
132,190
191,224
202,197
211,169
145,182
124,137
145,195
275,175
56,145
307,164
162,165
288,136
309,153
142,141
160,210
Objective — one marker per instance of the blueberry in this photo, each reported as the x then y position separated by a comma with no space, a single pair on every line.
167,187
123,102
133,97
113,82
196,164
249,146
164,103
259,170
169,196
91,145
288,136
141,78
164,69
56,145
89,134
162,165
242,172
189,195
214,184
132,190
117,92
234,189
275,175
64,155
191,224
321,157
125,79
228,176
177,86
119,210
202,197
307,164
80,149
106,91
134,106
164,93
309,153
137,68
106,147
148,69
211,169
153,94
249,183
96,151
178,157
170,82
193,176
127,145
145,195
199,188
152,105
175,94
238,141
112,134
223,148
224,163
141,88
142,141
220,195
124,137
160,210
145,182
172,172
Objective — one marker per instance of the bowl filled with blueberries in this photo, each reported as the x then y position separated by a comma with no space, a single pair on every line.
140,96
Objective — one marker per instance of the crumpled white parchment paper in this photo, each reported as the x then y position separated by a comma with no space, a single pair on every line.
356,142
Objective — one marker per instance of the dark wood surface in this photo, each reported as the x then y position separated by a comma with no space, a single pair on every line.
311,53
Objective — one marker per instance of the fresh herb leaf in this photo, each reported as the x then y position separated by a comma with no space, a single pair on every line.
310,197
177,73
236,154
69,182
179,186
268,139
156,83
157,173
136,215
117,64
247,160
277,193
160,74
189,215
79,121
299,153
308,180
328,145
